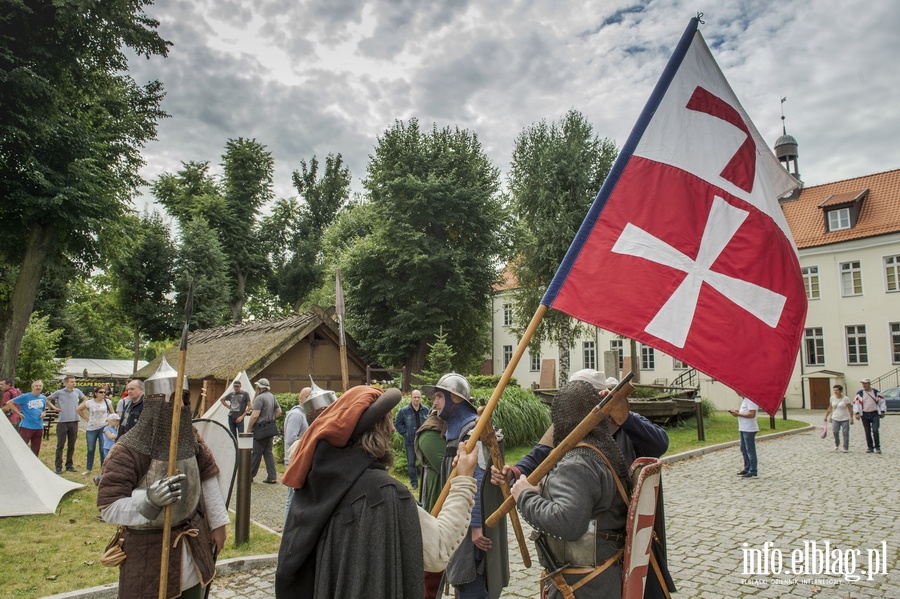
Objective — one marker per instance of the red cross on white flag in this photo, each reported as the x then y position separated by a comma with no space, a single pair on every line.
686,248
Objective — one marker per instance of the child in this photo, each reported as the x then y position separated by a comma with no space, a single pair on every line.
110,432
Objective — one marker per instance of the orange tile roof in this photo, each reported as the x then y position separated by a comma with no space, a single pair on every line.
880,210
507,280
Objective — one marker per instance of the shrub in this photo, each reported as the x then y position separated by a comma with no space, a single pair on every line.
481,381
520,413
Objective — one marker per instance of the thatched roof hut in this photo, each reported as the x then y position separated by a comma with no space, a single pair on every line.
287,351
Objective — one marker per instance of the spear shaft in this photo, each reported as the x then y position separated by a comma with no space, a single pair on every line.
177,404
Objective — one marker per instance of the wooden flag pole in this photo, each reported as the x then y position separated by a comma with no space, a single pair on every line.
485,417
177,404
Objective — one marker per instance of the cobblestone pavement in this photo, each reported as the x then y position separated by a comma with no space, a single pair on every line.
806,493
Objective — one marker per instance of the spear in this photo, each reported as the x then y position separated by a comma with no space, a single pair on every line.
485,417
177,404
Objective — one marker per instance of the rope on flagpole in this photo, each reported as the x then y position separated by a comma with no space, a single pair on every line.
484,419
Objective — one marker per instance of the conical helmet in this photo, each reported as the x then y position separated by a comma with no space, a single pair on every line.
162,383
318,398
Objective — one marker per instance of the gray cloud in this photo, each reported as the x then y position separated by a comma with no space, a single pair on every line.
259,70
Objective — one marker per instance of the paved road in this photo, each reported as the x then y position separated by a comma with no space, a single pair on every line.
806,493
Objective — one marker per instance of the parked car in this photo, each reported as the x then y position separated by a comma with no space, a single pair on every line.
892,399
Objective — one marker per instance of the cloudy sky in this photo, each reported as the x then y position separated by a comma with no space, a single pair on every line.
326,76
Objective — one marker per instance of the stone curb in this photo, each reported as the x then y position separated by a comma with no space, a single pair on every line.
693,453
225,567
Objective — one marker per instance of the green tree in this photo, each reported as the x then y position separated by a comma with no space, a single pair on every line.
200,258
294,230
231,207
37,358
440,359
72,123
143,273
556,171
93,322
438,231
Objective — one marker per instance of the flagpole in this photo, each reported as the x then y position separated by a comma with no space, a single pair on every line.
177,404
483,420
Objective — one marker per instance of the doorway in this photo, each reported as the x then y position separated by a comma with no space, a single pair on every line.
819,393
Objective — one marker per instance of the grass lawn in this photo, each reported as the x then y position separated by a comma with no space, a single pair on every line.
56,553
720,428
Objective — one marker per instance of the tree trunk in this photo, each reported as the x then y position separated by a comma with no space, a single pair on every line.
635,361
416,362
565,342
14,315
137,350
237,304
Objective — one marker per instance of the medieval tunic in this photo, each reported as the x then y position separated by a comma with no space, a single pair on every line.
123,472
353,531
578,489
462,568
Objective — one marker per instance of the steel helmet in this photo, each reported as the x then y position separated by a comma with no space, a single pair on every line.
318,398
457,385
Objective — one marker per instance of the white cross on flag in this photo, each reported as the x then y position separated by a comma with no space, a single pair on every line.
686,248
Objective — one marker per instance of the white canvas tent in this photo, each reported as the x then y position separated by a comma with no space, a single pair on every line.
29,487
218,411
90,368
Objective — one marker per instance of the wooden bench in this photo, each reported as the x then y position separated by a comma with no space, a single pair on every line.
49,418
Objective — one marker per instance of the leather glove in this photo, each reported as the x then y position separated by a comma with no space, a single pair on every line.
150,501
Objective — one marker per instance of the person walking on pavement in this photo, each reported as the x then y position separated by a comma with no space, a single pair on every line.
870,407
748,427
841,418
66,402
265,411
408,421
237,403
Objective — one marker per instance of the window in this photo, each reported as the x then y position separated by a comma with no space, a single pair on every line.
617,345
811,281
535,363
648,358
895,342
814,341
589,351
507,315
892,273
851,279
857,350
839,219
507,355
678,364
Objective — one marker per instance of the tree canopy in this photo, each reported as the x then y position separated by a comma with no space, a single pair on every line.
438,233
231,206
556,170
72,123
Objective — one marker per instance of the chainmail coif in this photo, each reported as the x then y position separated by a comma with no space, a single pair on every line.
570,406
151,435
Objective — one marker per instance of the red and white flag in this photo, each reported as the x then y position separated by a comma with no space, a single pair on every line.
686,248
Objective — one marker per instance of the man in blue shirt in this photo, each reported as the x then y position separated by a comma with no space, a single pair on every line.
32,405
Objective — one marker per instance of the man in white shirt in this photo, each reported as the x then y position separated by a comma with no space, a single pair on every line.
748,427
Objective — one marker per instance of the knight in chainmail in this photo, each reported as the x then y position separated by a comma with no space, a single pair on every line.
578,511
134,491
